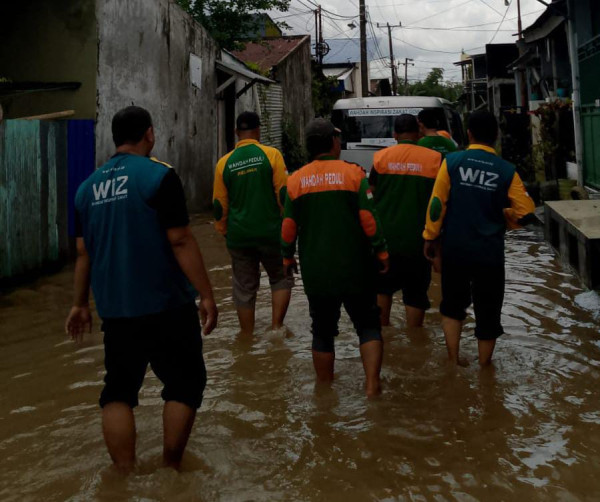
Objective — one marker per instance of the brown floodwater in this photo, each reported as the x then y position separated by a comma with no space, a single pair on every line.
530,430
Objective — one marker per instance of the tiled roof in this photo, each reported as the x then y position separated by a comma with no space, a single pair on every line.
270,52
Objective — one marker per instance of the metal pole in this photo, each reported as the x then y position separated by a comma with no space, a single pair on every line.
316,34
394,78
406,65
574,56
520,26
364,70
320,37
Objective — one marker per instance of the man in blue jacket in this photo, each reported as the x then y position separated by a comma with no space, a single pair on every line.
475,197
136,250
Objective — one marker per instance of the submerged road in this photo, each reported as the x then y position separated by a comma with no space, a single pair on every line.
530,430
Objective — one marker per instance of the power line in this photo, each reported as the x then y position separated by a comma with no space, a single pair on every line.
330,12
376,41
441,12
434,50
297,13
490,7
451,29
500,25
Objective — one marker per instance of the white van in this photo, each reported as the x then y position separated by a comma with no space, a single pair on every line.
367,124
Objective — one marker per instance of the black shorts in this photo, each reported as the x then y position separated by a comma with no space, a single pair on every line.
325,314
481,284
170,341
412,276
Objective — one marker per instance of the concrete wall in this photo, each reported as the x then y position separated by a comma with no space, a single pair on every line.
294,74
49,42
144,49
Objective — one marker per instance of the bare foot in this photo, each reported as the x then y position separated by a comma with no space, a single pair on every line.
373,390
463,362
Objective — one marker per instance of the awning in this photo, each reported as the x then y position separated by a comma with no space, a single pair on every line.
339,73
239,70
342,75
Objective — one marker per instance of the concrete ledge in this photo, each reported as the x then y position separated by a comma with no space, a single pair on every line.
573,230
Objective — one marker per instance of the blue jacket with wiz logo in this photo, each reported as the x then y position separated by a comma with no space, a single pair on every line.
133,269
475,197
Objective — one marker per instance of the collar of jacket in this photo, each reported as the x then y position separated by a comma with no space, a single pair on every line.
245,142
485,148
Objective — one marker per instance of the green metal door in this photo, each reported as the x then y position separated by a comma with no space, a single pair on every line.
589,69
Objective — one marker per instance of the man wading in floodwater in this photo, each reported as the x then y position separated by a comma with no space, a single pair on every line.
402,179
137,250
248,200
329,208
475,194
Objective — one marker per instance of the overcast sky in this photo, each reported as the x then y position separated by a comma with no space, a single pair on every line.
459,24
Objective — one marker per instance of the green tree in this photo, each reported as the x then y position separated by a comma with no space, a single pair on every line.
434,85
325,92
229,20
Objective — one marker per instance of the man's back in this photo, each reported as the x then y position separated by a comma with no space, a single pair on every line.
404,175
474,225
439,144
335,253
248,183
134,271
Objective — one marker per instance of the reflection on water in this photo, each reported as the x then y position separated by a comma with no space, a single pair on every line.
528,429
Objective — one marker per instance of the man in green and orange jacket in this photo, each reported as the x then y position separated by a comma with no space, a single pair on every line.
329,210
249,190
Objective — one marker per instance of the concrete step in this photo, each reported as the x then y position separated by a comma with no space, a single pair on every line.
573,230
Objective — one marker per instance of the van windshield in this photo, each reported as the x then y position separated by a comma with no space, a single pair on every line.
373,126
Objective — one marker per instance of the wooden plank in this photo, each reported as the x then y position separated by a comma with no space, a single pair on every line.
49,116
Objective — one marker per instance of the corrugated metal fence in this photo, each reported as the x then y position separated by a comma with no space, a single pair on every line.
38,159
271,110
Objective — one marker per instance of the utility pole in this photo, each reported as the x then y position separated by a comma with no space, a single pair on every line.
520,26
320,37
317,34
522,74
392,64
364,70
320,47
406,65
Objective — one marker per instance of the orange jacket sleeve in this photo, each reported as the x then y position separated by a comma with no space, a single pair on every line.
220,198
521,203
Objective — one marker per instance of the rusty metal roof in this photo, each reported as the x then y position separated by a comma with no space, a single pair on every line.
268,53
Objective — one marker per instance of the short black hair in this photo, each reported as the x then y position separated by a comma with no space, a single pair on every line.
429,118
406,123
247,121
483,126
130,124
317,145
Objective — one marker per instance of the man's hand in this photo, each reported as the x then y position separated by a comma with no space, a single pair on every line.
78,322
208,314
432,251
384,265
290,266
